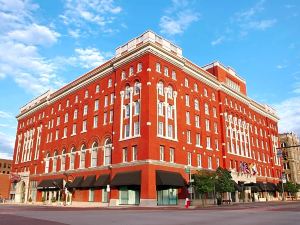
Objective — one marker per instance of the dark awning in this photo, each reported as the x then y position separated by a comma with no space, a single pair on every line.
51,184
102,181
237,187
271,187
255,187
88,182
127,179
76,183
166,178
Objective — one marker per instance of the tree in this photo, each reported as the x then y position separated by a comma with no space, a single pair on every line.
223,181
291,188
204,183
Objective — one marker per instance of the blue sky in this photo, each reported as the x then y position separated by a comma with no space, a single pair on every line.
45,44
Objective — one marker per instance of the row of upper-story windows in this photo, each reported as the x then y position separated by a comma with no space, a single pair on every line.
165,71
198,141
172,157
139,69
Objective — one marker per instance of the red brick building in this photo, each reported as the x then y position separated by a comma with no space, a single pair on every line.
135,123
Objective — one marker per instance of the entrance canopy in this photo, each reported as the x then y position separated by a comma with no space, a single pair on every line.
132,178
170,179
51,184
76,183
89,182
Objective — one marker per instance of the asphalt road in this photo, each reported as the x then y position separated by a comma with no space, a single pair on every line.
243,214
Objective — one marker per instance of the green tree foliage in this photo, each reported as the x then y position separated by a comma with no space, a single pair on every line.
224,182
204,183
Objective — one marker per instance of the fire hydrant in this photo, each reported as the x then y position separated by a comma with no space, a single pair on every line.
187,203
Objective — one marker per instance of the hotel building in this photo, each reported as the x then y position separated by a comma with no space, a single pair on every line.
124,132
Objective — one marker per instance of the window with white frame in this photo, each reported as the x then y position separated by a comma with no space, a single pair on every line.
63,160
205,92
72,158
85,110
170,131
215,127
111,116
75,114
160,108
97,88
136,108
86,94
207,125
136,127
66,117
206,109
137,88
105,118
160,128
131,71
105,101
166,71
187,100
160,88
213,96
56,134
125,155
82,156
199,160
107,151
58,121
188,136
197,121
196,102
65,132
84,126
54,165
109,84
127,133
94,154
214,112
74,129
217,144
162,153
198,140
195,87
186,82
134,153
172,155
127,111
96,105
47,163
209,162
139,67
187,118
157,67
95,122
169,111
173,75
170,92
208,144
76,99
189,158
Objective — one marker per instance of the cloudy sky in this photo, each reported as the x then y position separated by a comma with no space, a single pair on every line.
45,44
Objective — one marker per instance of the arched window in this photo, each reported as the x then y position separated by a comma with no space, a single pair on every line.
131,71
160,88
75,114
123,75
107,151
157,67
94,154
170,92
137,87
196,87
139,67
213,96
54,167
82,156
47,162
127,91
66,117
63,160
97,88
86,94
72,158
109,84
206,109
205,92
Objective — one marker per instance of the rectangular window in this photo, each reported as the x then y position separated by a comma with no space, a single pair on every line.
65,132
157,67
217,144
112,98
134,153
162,153
209,162
170,131
187,100
169,111
218,162
186,82
85,110
56,134
136,108
207,125
160,128
172,152
197,121
131,71
95,121
187,118
74,129
173,75
216,128
199,160
139,67
127,134
105,101
58,121
111,116
105,118
188,136
189,159
166,71
214,112
160,109
96,105
91,194
75,114
198,140
127,111
208,145
136,128
84,126
125,155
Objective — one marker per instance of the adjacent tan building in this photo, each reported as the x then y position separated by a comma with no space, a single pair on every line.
291,156
5,168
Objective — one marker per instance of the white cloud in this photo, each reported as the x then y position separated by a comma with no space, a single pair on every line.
6,144
289,111
177,18
89,57
5,155
218,41
81,13
74,33
5,115
281,66
34,34
260,25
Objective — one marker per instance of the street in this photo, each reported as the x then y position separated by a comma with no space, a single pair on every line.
275,213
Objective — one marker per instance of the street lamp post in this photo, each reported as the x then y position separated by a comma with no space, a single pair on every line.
67,175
